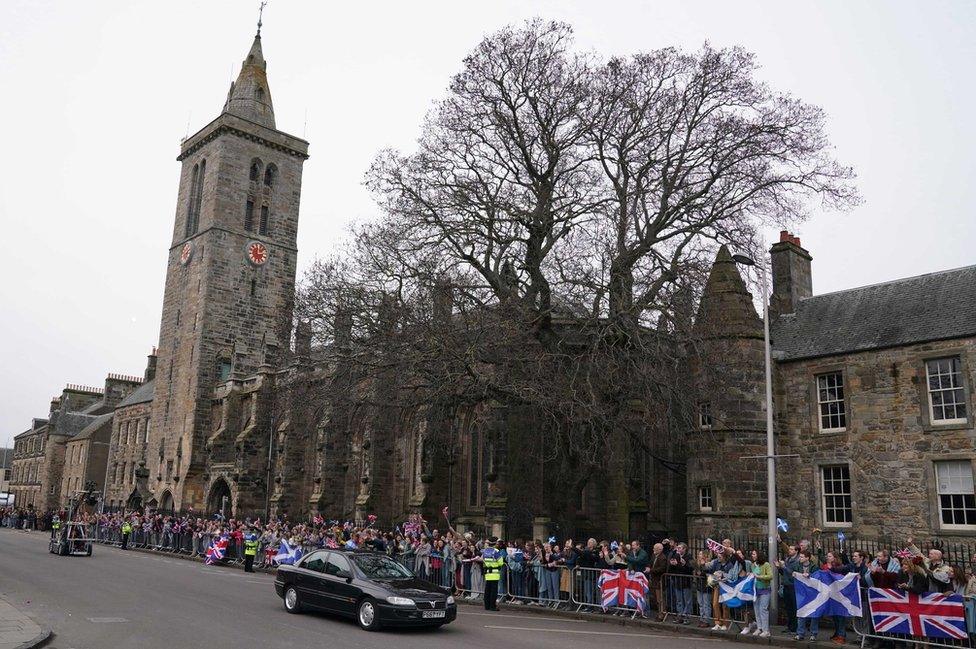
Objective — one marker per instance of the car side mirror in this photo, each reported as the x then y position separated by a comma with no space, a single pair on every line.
345,574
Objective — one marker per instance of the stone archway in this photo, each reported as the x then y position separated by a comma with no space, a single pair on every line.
166,502
219,490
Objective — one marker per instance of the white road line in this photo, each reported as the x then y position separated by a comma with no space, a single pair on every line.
522,617
573,631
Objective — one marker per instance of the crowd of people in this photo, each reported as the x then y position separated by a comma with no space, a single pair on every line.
684,586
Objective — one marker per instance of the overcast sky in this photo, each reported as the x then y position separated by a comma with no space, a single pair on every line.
97,95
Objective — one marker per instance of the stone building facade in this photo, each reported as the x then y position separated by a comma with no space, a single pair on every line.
873,395
85,456
41,452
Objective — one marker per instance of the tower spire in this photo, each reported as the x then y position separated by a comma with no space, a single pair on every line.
249,96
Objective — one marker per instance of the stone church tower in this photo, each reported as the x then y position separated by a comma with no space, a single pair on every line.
230,276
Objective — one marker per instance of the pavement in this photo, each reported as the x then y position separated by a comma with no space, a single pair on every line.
147,601
17,629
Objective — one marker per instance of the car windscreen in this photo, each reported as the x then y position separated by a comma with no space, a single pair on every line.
380,566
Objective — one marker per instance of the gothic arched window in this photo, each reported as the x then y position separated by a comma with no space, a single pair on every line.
255,172
196,198
269,175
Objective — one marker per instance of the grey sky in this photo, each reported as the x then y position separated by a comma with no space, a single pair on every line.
96,96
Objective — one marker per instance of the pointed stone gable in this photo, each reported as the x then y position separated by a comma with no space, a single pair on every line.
250,97
726,308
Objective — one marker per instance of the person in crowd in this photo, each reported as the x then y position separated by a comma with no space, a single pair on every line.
553,563
935,567
806,568
763,572
703,591
839,565
679,571
884,570
787,567
912,576
726,568
570,556
586,563
515,561
656,570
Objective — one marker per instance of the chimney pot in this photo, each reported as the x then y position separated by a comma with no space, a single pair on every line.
784,235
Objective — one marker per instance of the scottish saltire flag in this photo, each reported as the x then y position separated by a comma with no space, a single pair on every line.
217,551
826,593
932,615
623,588
288,554
737,593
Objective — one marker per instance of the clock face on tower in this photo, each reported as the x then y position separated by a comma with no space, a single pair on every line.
186,253
256,253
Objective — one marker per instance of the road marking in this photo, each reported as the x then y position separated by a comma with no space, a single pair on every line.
523,617
573,631
107,620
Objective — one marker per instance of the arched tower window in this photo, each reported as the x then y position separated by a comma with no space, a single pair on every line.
269,175
196,198
259,94
265,216
255,173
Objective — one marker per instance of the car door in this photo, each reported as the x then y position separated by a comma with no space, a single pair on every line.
342,594
309,579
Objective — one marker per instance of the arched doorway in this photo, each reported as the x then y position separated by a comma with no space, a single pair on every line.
219,501
166,502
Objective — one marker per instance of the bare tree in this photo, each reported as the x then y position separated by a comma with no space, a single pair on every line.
544,245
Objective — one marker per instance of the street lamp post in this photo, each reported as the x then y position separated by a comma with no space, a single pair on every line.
771,526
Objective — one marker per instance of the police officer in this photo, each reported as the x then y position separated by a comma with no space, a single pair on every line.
492,562
126,531
55,525
250,549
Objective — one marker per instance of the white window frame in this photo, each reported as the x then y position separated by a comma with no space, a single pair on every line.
705,410
824,495
961,387
964,465
821,402
710,496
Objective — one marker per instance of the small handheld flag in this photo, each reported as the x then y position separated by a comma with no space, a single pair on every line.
841,537
782,525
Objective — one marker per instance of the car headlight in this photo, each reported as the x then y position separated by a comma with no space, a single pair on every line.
450,600
400,601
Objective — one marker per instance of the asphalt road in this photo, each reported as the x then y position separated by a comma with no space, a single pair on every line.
117,600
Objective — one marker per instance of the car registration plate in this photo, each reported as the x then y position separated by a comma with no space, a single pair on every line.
430,614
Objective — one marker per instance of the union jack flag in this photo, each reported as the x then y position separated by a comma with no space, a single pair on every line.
330,543
217,551
624,588
932,615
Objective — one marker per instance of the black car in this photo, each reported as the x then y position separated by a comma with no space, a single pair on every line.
370,587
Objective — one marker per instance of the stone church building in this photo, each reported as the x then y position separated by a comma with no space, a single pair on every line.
873,392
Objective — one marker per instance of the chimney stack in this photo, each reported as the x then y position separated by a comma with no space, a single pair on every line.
150,367
792,277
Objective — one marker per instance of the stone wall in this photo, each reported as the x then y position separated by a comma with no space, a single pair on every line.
888,445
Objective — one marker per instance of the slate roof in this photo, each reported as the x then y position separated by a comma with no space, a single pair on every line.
936,306
94,427
142,394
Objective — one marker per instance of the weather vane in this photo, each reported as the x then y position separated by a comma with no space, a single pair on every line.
260,14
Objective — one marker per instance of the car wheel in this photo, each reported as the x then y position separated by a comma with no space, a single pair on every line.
293,603
368,615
